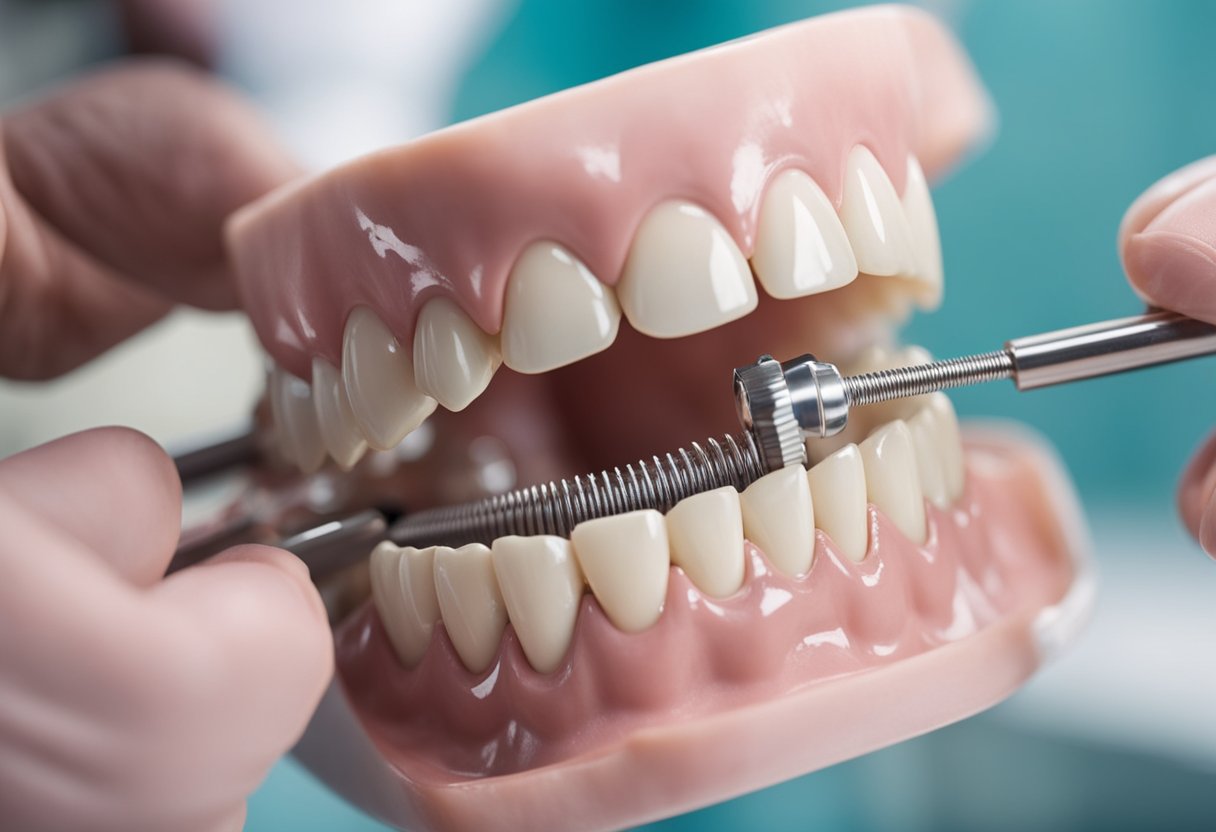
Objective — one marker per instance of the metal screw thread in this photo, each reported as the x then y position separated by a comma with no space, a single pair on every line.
557,507
896,383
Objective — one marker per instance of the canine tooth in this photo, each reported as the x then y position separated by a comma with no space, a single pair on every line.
297,420
542,587
403,589
926,241
838,491
470,603
779,517
874,219
892,482
626,560
453,359
379,378
927,440
339,432
684,274
705,532
801,247
555,311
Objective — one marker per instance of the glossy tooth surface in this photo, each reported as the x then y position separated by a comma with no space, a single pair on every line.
555,311
927,440
926,241
339,431
892,481
684,274
297,420
470,602
453,359
626,560
874,219
705,532
950,436
542,587
838,490
403,589
379,378
779,517
801,247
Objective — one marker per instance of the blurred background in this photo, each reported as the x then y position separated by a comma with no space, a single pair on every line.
1097,100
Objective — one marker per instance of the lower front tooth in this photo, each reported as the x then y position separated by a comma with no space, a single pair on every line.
470,602
339,432
403,589
298,420
926,439
542,587
626,560
706,536
453,359
838,490
379,378
892,481
779,517
951,441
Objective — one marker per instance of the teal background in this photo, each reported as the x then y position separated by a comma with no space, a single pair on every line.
1097,100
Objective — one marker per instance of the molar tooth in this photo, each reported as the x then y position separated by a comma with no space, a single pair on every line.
874,218
779,517
801,247
379,378
684,274
470,602
706,536
838,491
339,431
926,241
403,589
892,481
555,311
297,420
453,359
626,560
542,587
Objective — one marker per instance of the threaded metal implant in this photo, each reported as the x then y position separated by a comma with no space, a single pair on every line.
557,507
898,382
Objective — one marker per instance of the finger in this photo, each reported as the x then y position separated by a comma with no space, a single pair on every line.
112,490
1197,486
1168,242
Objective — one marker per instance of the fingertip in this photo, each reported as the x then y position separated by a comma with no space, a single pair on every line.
1161,194
283,561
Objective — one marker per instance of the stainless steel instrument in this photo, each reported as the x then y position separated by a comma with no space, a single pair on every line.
780,405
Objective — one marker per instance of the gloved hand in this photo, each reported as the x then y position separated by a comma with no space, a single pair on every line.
1168,245
128,702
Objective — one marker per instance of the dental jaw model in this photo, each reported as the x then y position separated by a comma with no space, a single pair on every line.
573,278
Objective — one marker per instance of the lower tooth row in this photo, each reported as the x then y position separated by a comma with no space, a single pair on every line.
537,582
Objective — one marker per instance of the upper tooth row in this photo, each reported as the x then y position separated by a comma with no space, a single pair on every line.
684,274
537,582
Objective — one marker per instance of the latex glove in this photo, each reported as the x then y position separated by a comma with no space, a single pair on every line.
128,702
1168,244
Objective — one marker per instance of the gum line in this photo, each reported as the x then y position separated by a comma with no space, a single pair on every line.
776,636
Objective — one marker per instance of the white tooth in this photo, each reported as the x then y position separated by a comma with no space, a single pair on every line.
801,247
453,359
779,517
838,490
379,378
705,532
297,420
470,603
684,274
951,444
874,219
282,442
403,589
892,482
626,561
926,242
926,439
542,588
339,432
555,311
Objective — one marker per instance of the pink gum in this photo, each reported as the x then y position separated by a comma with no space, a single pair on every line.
454,209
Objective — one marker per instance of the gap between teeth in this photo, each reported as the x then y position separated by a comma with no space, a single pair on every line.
683,275
537,583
